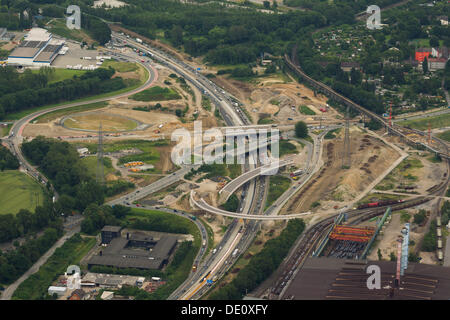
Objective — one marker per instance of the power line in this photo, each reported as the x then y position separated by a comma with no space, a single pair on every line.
346,152
100,170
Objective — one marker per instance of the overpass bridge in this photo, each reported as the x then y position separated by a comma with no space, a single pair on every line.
203,205
238,182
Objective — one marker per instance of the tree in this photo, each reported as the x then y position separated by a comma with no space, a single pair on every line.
232,203
434,41
425,65
266,4
373,125
393,257
380,256
301,130
419,217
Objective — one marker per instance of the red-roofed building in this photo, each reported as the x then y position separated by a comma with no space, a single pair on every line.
422,53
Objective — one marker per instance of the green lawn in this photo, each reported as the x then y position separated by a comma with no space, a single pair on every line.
306,110
267,120
35,287
278,185
121,66
59,27
439,121
444,135
287,148
91,164
59,113
131,85
156,94
5,130
62,74
19,191
150,154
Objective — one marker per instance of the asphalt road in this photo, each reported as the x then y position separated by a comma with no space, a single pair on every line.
9,291
14,141
232,116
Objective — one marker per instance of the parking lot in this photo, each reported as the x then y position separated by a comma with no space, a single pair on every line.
74,56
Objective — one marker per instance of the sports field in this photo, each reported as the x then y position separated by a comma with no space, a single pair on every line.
18,191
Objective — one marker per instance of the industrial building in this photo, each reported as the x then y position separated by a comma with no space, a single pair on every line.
4,35
338,279
59,291
112,281
37,49
133,251
109,233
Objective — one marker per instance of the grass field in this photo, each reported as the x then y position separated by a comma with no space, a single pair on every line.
287,148
5,130
278,185
306,110
156,94
35,287
265,121
59,113
92,121
62,74
444,135
131,86
18,191
439,121
403,173
150,153
120,66
91,165
59,27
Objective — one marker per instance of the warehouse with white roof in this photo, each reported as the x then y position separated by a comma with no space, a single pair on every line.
37,49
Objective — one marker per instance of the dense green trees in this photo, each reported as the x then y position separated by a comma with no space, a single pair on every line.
7,160
96,217
23,91
98,29
429,243
15,262
301,129
60,162
232,203
223,35
420,217
26,223
262,264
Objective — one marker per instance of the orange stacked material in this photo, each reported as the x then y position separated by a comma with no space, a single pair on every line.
352,233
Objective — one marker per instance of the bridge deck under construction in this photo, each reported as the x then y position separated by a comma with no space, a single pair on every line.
345,233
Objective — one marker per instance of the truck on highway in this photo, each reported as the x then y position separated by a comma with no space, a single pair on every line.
296,173
193,218
204,243
235,252
138,40
194,268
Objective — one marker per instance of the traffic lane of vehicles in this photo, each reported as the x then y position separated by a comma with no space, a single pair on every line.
17,128
226,106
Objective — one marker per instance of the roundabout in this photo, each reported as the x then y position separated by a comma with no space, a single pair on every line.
111,123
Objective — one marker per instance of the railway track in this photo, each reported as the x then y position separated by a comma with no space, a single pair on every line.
319,86
310,238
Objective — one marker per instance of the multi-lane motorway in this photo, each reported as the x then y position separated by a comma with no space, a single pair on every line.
234,237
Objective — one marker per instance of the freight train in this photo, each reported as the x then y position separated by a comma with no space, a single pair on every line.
379,204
